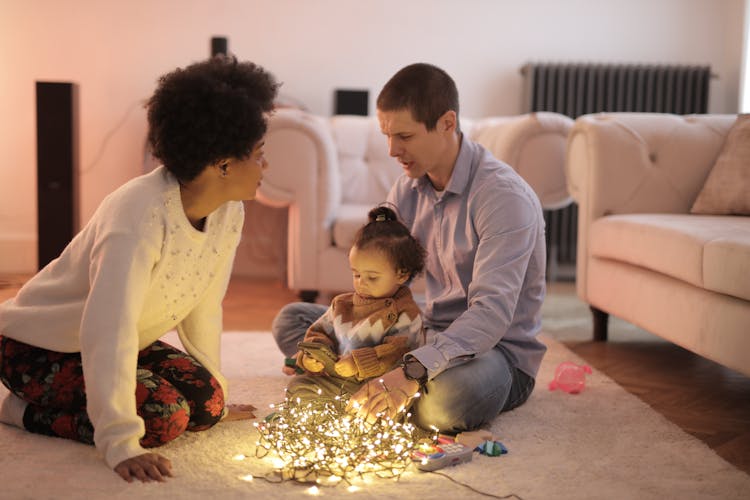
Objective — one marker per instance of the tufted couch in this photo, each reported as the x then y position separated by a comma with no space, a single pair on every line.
330,171
641,255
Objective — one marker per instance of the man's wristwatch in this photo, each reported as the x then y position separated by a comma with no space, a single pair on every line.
414,370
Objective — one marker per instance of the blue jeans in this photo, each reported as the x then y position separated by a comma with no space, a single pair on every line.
462,398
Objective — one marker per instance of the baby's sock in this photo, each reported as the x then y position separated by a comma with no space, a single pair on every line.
12,410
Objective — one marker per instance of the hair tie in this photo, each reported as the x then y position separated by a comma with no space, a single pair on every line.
380,218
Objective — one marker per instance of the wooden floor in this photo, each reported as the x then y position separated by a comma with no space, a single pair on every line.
706,400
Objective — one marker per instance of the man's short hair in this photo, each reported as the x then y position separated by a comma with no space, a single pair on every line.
425,90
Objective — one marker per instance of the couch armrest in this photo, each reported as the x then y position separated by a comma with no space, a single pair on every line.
534,145
303,172
638,163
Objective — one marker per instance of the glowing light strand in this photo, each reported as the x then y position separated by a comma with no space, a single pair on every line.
319,439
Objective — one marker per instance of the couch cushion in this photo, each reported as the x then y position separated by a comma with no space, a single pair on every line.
349,219
711,252
726,265
727,188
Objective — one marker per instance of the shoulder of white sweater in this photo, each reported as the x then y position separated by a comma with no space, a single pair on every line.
151,202
145,196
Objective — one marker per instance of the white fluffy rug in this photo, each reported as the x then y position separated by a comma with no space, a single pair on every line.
602,443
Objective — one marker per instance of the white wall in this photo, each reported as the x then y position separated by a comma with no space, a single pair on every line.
115,51
745,67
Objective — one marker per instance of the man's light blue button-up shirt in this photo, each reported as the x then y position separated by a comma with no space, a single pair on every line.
486,256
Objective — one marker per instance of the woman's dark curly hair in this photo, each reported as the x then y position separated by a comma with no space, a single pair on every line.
208,111
386,234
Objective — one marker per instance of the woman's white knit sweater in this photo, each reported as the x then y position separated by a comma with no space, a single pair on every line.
137,270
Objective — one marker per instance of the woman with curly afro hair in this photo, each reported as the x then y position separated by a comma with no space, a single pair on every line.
79,343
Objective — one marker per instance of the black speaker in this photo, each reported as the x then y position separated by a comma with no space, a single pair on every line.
57,167
352,102
218,45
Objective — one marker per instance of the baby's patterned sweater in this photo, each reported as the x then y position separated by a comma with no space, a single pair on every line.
376,333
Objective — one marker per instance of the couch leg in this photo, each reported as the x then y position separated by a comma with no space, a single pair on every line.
600,324
308,295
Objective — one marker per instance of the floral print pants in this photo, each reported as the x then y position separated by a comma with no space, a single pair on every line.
173,392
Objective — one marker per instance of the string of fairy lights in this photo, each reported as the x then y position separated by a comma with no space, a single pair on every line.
320,439
319,442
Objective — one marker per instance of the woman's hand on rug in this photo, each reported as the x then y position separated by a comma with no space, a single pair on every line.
239,412
383,396
146,467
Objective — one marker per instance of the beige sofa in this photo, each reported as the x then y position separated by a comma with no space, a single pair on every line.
641,255
330,171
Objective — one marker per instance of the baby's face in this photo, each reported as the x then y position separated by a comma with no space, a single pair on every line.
373,274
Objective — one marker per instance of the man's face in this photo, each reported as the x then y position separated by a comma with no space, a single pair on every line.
418,150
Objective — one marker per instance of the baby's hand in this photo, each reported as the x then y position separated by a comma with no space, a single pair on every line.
311,364
290,366
345,367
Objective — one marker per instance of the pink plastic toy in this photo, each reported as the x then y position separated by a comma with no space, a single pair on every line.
570,377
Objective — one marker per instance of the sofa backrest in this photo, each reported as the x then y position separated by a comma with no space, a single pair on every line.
533,144
367,172
642,162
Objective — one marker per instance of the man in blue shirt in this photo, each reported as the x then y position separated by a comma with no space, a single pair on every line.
483,230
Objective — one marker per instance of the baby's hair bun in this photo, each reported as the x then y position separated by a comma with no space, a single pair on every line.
381,214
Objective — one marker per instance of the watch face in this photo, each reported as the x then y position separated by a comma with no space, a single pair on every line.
415,370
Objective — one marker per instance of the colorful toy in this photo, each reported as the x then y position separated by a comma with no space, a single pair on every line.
429,456
492,448
570,377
